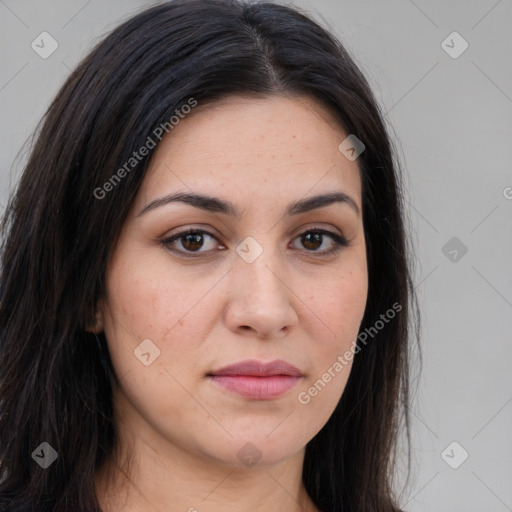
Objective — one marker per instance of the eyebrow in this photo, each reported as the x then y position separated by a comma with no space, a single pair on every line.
217,205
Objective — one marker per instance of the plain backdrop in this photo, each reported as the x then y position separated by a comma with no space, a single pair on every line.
450,111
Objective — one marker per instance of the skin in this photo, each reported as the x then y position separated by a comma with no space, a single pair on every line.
182,432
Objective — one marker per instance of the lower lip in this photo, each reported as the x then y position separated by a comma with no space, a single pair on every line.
256,388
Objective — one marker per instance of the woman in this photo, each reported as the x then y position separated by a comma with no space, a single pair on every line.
205,285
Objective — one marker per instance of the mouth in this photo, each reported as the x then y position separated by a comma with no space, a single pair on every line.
256,380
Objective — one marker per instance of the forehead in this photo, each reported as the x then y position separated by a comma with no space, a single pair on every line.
274,147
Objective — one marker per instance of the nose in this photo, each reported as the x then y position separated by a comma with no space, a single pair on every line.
261,301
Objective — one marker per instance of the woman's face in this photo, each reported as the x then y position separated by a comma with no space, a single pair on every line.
262,279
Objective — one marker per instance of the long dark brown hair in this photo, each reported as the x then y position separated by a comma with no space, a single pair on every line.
58,236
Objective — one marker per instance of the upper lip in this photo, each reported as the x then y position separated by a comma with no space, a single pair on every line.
259,369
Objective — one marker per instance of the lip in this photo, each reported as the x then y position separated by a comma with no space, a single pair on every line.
259,369
257,380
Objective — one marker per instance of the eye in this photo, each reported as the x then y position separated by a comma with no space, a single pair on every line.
194,242
191,241
315,239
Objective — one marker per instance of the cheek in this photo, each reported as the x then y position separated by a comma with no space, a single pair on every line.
152,302
155,302
339,306
151,299
336,310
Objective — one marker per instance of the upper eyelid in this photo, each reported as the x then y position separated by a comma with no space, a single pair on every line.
189,230
318,226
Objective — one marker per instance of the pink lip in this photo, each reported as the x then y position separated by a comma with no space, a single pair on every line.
257,380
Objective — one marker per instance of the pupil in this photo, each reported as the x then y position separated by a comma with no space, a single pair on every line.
313,240
193,241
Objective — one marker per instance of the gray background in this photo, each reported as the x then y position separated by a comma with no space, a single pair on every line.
453,120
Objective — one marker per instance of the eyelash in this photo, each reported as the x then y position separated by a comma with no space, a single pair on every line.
339,241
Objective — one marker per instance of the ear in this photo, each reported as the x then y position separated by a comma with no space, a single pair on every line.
97,326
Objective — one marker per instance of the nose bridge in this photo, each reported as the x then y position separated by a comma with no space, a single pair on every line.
260,297
260,270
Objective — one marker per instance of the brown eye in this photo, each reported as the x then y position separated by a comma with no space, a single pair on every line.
191,242
312,241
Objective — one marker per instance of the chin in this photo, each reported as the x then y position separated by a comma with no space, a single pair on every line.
257,449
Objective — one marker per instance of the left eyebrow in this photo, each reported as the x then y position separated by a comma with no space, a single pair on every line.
312,203
217,205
